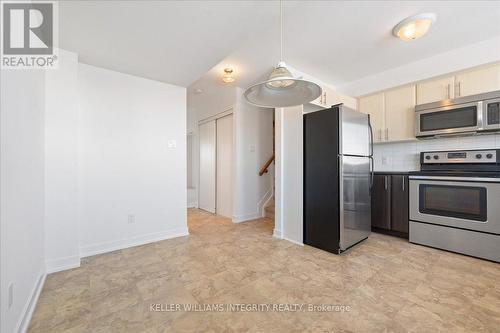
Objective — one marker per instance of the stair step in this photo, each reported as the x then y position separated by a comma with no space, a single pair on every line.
269,209
269,212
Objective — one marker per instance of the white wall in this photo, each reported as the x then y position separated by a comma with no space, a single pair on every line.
253,147
289,174
21,194
405,156
125,166
61,153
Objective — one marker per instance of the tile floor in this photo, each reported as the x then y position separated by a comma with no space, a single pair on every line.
388,284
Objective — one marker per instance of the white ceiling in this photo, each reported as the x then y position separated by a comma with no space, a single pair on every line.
170,41
338,42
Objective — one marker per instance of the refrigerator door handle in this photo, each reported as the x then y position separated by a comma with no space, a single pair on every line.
371,173
371,136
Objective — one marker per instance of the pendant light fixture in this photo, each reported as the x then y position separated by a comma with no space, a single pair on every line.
282,89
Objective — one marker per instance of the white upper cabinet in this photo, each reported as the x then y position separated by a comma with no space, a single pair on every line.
435,90
334,97
392,112
374,106
400,113
322,99
331,97
477,81
470,82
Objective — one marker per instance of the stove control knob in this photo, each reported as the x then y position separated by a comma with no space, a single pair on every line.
436,157
428,157
489,155
479,156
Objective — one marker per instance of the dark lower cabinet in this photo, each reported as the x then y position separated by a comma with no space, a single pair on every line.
390,204
399,203
381,202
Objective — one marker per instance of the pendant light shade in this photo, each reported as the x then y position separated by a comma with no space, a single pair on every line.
282,89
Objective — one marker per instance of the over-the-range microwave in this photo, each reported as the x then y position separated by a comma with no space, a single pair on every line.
461,116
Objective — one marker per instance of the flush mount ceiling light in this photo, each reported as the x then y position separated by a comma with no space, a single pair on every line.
228,75
282,89
414,27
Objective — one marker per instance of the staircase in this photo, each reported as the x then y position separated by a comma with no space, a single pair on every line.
269,210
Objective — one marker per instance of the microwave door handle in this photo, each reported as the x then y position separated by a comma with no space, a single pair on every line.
481,116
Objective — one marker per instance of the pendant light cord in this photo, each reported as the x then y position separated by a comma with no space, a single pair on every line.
281,30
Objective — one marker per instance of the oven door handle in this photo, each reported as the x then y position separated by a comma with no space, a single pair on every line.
462,179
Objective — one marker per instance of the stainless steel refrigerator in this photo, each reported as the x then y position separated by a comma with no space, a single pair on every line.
338,176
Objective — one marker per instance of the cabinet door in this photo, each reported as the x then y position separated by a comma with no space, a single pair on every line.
334,97
321,100
381,202
399,203
400,113
374,106
478,81
435,90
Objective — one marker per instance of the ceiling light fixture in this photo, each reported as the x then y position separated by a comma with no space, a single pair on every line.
414,27
282,89
228,75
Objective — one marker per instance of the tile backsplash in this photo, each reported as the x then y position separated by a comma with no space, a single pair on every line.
405,156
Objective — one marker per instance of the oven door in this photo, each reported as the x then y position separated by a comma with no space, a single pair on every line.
461,203
449,120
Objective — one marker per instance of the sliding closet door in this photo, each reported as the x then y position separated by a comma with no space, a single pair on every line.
206,196
225,166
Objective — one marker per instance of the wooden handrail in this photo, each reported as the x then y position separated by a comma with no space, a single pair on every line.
265,168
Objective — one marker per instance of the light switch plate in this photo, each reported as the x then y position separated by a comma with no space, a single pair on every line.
172,144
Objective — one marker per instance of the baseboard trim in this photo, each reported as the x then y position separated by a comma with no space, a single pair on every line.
93,249
277,234
30,306
293,241
246,217
62,264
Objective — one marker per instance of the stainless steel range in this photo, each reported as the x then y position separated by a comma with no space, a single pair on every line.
455,202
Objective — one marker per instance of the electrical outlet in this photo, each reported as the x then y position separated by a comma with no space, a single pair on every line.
131,218
11,295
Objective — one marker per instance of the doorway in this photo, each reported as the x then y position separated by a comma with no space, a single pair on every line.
216,165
